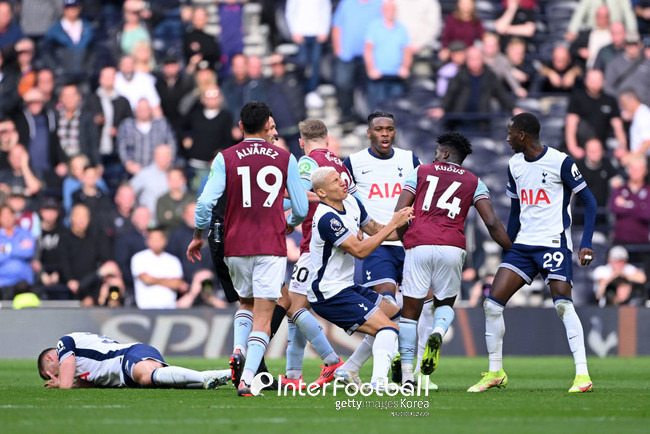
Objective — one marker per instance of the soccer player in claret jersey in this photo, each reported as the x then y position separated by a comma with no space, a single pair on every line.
540,183
253,174
302,324
441,194
379,173
83,360
332,292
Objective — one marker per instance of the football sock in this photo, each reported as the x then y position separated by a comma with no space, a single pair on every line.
360,355
407,337
391,298
442,318
382,353
276,320
425,324
295,351
243,324
175,376
574,333
495,328
257,343
220,372
311,329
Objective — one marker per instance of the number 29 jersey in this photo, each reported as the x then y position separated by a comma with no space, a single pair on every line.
444,193
256,176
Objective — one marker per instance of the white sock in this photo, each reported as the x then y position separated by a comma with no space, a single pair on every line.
175,376
407,341
382,354
574,333
424,330
360,355
495,328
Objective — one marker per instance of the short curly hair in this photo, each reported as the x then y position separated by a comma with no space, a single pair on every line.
458,144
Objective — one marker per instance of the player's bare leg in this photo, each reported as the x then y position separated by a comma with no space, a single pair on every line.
561,293
506,283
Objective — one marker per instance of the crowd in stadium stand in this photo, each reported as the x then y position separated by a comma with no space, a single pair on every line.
112,111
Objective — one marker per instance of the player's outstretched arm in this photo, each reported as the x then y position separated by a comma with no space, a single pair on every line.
493,224
361,249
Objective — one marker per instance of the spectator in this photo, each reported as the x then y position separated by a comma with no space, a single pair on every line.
135,85
37,16
309,22
234,86
522,69
629,70
68,44
589,43
517,20
98,202
584,16
207,130
500,65
131,31
19,173
122,211
10,31
25,217
108,109
617,281
45,83
112,289
37,130
203,78
461,25
172,85
197,274
561,74
642,11
349,29
24,69
610,51
8,139
601,177
231,14
387,56
457,58
76,128
9,97
158,276
151,182
84,252
130,243
171,205
48,265
74,182
143,58
16,251
472,89
640,126
256,88
138,137
423,20
592,114
199,45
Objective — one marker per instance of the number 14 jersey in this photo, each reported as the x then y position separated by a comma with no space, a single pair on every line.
444,193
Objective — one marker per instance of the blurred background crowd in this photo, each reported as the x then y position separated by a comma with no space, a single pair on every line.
112,111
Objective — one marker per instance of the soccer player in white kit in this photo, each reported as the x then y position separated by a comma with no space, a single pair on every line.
90,360
540,183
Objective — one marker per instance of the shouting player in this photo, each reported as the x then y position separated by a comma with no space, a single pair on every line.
540,183
332,292
441,194
253,174
88,360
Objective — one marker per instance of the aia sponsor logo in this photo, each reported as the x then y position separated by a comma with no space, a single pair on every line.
534,197
382,191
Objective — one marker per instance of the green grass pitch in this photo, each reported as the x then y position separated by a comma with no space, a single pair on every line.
535,401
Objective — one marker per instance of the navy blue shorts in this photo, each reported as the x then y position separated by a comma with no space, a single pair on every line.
384,265
135,354
350,308
553,263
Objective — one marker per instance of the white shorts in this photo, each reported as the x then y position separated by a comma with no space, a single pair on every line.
300,275
437,267
260,276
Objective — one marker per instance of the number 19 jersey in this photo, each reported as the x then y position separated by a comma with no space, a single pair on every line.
256,176
444,193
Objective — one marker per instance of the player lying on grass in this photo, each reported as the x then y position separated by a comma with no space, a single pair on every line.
441,194
332,293
89,360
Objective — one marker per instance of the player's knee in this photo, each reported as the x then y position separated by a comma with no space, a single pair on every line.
564,306
389,307
143,371
492,308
